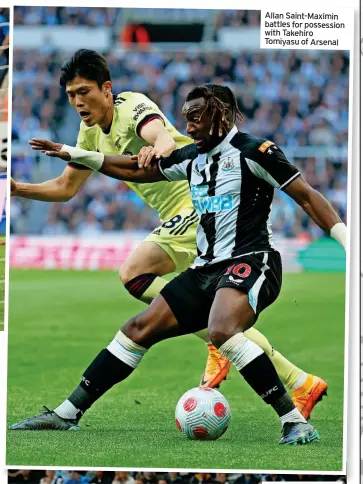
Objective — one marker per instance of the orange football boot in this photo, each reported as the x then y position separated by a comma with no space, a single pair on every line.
216,370
309,394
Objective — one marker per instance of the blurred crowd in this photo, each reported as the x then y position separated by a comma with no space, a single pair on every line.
123,477
4,43
296,98
239,18
78,16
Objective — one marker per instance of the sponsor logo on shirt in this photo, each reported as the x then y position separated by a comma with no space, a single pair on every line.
139,109
205,204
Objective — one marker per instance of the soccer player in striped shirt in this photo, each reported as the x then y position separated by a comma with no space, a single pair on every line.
126,124
237,273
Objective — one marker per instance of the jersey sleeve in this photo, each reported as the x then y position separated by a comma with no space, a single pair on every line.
177,166
81,143
270,163
141,110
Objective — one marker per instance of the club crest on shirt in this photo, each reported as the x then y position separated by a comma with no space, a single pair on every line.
228,164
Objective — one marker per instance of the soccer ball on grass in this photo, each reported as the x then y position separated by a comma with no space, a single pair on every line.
202,414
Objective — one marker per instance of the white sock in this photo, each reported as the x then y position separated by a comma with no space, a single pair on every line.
300,381
126,350
240,350
67,410
293,416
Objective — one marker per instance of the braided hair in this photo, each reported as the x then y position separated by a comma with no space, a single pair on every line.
221,102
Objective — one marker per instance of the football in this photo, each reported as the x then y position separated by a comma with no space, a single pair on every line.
202,414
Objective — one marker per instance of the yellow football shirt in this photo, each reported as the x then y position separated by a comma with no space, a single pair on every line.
132,111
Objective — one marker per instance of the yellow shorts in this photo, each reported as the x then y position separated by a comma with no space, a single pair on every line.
177,236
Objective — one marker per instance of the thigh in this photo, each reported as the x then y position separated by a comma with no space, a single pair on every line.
154,324
189,303
257,275
147,258
177,237
231,313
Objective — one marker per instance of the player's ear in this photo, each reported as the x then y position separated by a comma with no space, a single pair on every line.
107,88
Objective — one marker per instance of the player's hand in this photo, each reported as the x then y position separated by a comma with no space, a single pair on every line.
13,187
44,145
147,155
63,155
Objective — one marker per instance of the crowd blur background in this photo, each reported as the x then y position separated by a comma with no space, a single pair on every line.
4,84
124,477
297,98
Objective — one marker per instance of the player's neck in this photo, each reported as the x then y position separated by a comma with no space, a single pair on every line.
106,123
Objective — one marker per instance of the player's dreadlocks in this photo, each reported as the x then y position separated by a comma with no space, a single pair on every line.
221,102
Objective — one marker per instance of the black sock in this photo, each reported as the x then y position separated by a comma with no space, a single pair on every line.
138,285
103,373
261,375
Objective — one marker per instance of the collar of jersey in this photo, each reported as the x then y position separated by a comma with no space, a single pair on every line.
219,148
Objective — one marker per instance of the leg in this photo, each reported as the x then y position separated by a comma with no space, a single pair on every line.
112,365
230,316
141,273
306,390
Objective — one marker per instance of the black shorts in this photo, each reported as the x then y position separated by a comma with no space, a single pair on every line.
190,295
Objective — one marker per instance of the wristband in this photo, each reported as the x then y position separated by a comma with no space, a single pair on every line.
92,159
339,233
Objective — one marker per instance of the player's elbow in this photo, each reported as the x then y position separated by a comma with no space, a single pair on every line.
66,191
305,204
306,198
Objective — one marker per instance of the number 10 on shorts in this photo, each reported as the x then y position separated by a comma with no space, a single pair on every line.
240,270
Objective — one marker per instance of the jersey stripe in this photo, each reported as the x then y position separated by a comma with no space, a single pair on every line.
185,221
208,220
255,290
227,233
192,222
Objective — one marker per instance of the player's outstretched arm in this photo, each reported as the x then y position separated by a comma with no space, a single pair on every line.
60,189
318,208
120,167
126,168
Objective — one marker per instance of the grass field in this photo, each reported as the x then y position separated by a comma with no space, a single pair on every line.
2,283
60,320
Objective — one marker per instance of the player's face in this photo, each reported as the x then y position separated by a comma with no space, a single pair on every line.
199,124
93,104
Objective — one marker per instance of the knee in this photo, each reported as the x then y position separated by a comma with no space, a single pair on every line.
128,271
218,334
138,329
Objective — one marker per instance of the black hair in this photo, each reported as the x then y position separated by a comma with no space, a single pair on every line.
87,64
222,103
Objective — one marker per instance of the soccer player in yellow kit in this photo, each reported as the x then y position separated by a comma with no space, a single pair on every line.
124,124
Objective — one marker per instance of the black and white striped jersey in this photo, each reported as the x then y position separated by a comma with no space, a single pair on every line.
232,189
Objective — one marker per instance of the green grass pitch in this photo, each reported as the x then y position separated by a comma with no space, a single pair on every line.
59,321
2,283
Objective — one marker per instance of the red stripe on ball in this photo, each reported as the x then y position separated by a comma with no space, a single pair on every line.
219,409
190,404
